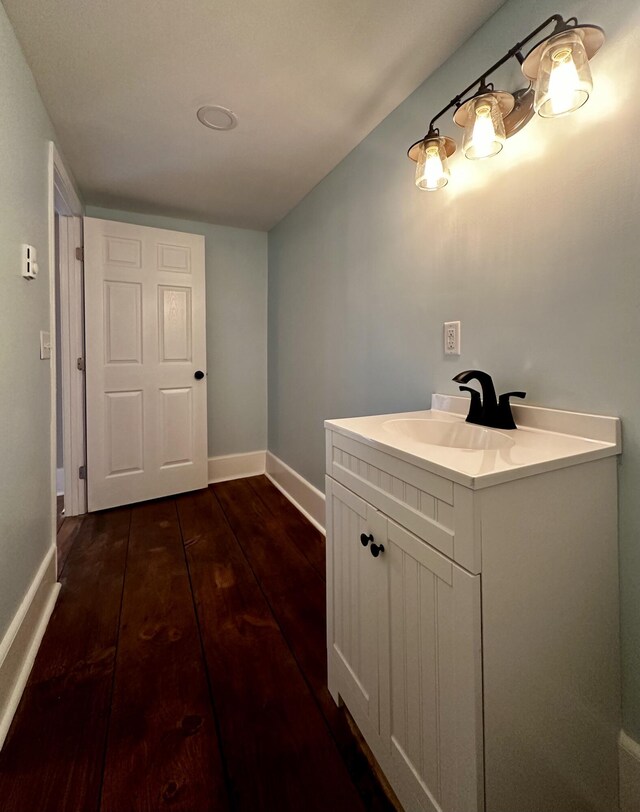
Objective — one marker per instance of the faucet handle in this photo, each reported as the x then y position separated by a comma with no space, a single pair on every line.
505,398
475,407
504,409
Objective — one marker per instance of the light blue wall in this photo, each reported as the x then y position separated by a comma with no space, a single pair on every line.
236,263
25,414
537,252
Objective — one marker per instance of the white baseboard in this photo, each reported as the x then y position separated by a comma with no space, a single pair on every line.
302,494
19,646
59,481
236,466
629,754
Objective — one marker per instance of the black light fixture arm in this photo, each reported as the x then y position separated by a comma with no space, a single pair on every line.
516,51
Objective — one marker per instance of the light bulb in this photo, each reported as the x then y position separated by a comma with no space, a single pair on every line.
563,81
484,133
432,169
564,78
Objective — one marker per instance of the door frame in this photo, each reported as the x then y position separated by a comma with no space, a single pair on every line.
64,200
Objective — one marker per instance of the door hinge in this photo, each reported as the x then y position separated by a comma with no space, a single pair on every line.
80,253
82,472
80,364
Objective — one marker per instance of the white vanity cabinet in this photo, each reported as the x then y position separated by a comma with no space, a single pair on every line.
406,651
478,650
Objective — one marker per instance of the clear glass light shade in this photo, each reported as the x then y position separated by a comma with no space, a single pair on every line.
564,77
432,167
484,134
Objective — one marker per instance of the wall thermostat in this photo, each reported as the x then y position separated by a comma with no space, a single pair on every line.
29,265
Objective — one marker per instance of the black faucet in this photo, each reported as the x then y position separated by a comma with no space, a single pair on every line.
475,407
491,412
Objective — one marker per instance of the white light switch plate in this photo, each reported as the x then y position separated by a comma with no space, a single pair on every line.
452,338
45,345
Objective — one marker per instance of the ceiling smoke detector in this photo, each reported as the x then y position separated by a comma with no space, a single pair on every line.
216,117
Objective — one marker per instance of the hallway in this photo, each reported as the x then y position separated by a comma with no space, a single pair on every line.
184,667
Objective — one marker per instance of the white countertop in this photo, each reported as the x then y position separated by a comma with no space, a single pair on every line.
545,440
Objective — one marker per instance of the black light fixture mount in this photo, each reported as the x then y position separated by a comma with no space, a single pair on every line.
557,68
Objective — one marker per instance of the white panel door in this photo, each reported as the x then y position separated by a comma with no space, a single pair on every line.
435,713
145,350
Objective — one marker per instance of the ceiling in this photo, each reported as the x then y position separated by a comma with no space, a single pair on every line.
122,81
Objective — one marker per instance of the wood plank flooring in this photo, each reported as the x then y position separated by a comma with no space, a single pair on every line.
184,668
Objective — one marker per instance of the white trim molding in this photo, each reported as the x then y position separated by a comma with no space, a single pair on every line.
20,644
236,466
301,493
629,754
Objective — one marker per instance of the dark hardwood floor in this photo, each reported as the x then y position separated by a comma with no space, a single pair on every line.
184,668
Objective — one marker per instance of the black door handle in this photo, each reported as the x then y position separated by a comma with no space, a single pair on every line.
199,375
365,539
376,549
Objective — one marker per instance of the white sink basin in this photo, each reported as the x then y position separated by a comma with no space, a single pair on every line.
439,440
451,434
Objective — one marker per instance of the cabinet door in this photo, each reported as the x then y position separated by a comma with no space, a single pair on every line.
435,713
356,588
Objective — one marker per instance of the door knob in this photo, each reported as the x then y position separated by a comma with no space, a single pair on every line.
199,375
376,549
365,539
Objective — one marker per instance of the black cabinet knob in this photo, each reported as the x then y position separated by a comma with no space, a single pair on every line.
365,539
376,549
199,375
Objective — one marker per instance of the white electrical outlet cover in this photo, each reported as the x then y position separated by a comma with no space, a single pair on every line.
452,338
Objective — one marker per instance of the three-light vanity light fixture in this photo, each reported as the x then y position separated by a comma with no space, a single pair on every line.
559,83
